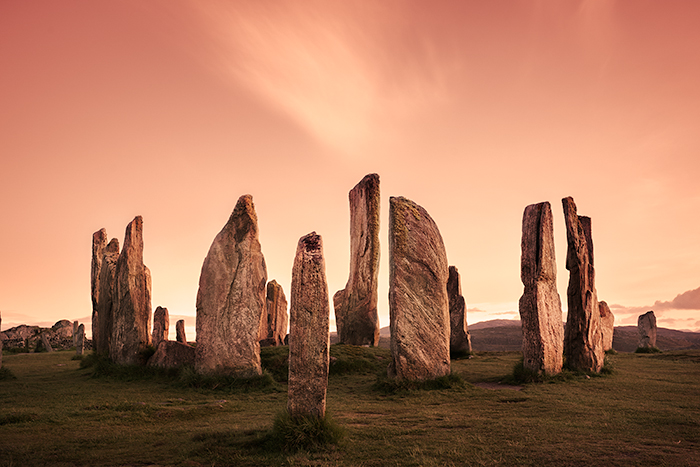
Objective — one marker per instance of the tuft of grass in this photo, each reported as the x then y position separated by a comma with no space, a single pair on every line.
275,360
357,360
387,385
611,352
647,350
6,374
460,354
292,433
522,375
12,418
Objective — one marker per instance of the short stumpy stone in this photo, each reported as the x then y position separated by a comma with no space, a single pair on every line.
418,304
99,242
231,298
607,325
355,306
161,326
80,340
180,335
460,340
583,343
132,314
171,354
274,323
107,302
646,326
540,305
309,336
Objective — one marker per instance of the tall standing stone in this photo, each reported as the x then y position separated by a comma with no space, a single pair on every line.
607,325
583,344
355,306
646,326
107,303
180,335
309,336
161,326
80,340
275,317
231,298
132,313
540,305
460,340
99,242
418,304
75,331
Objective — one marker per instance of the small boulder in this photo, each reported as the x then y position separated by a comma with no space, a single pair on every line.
646,326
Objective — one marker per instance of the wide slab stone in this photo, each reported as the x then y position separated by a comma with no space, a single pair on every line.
309,336
460,340
132,312
355,306
172,354
607,325
540,305
583,343
107,302
274,323
99,243
231,298
418,304
646,327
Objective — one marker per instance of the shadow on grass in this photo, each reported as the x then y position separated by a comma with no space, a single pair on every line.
522,375
6,374
387,385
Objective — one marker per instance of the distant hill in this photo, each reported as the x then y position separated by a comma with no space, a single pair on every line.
494,323
625,339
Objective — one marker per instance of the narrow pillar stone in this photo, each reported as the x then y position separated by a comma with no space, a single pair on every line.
161,326
275,322
80,341
75,332
646,326
309,336
99,242
583,343
460,340
180,331
231,298
418,304
108,294
540,305
607,325
132,315
355,306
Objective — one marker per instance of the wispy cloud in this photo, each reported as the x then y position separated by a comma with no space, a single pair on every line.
679,313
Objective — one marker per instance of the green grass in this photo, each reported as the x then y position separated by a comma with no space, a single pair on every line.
647,350
647,412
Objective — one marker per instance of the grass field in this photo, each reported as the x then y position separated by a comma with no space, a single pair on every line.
646,413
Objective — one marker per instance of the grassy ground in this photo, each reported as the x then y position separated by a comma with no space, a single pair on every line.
646,413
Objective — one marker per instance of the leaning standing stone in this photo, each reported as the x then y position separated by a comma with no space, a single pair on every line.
646,326
107,302
460,341
231,298
80,341
607,325
418,305
132,314
45,342
180,331
540,305
583,344
309,336
99,242
356,305
161,326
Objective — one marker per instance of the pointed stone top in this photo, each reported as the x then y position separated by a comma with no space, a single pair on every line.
112,247
100,236
244,217
311,243
454,282
369,179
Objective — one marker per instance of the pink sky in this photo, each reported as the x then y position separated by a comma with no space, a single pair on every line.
173,109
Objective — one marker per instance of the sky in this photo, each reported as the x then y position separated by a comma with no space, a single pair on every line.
172,109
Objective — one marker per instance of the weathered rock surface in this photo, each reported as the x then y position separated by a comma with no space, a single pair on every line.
99,242
62,329
607,325
161,326
418,304
646,326
107,302
45,342
583,344
60,336
355,306
540,305
231,298
275,317
180,335
460,341
309,336
75,331
80,340
132,314
172,354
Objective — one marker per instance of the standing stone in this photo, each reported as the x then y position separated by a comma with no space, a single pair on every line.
75,331
646,326
309,336
180,332
275,322
0,340
107,303
80,340
132,313
99,242
355,306
161,326
45,342
460,340
231,298
540,305
583,345
171,354
418,304
607,325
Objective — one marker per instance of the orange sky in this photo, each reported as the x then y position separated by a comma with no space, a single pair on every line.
173,109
